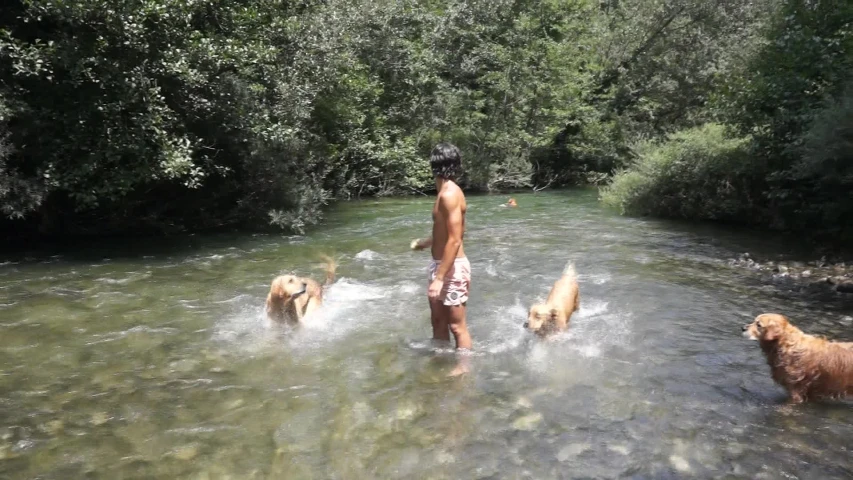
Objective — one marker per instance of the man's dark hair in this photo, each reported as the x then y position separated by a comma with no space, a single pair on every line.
446,161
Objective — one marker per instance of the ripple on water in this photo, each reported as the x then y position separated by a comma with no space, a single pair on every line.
142,330
502,332
133,277
595,278
491,269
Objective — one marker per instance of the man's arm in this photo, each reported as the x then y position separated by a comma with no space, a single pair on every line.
450,209
421,243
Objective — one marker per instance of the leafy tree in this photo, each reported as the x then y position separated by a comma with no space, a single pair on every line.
167,115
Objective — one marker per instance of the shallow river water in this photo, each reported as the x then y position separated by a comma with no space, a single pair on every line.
152,359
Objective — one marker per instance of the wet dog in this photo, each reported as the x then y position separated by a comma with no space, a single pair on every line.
291,298
808,367
553,316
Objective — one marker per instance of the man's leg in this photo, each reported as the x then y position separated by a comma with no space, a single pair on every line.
439,320
455,318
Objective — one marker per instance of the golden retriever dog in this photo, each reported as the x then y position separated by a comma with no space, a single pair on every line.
809,367
291,298
553,316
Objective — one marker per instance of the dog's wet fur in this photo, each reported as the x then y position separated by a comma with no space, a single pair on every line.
291,298
807,366
553,316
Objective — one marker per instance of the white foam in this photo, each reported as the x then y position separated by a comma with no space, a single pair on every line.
597,279
431,346
589,350
491,270
591,308
367,255
243,297
122,281
410,288
506,331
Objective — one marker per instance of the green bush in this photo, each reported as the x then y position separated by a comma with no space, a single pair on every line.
699,173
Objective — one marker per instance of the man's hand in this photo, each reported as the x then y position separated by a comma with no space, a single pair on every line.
435,288
420,244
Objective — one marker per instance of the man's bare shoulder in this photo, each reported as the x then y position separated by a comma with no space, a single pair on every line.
451,197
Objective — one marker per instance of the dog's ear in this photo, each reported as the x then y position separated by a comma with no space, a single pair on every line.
276,289
771,331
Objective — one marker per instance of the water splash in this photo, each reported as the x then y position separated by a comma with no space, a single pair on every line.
368,255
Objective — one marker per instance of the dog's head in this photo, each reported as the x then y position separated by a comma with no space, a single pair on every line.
287,287
540,317
767,327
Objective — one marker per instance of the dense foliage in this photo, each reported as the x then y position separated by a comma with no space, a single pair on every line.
789,92
164,115
697,173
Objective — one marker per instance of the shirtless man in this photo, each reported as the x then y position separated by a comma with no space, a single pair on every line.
449,271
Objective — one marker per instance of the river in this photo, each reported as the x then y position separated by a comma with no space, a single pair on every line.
151,359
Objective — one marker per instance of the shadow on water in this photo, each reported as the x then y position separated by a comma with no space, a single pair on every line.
155,362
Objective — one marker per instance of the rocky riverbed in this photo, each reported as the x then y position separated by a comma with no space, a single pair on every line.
821,275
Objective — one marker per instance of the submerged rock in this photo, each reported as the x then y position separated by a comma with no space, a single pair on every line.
185,453
527,422
815,276
54,427
679,463
620,449
572,451
523,402
99,419
444,458
6,452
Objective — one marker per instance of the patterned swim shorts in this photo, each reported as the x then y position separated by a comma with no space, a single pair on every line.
456,283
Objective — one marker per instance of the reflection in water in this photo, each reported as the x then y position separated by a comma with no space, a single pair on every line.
157,362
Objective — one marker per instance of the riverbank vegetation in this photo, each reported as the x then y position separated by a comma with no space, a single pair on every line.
154,116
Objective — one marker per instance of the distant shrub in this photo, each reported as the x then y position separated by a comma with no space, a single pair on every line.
699,173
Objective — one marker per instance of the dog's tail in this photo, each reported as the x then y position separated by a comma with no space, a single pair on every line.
330,267
569,271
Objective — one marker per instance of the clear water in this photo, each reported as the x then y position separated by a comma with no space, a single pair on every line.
152,359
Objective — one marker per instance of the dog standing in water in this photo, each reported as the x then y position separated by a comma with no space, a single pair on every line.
809,367
553,316
291,298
